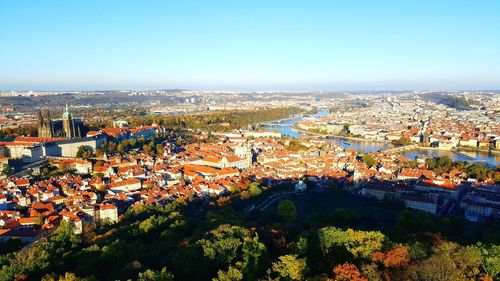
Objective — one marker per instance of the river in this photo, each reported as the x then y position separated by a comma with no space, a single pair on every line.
285,128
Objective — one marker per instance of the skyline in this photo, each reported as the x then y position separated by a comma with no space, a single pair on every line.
253,45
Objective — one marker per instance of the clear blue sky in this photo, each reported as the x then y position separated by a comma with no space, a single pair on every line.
238,44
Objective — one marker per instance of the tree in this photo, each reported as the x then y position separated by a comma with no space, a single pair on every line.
254,189
346,128
5,170
369,160
64,236
289,267
491,261
347,272
151,275
287,210
360,244
229,245
68,276
84,152
397,257
437,268
295,145
403,141
232,274
159,149
99,152
253,253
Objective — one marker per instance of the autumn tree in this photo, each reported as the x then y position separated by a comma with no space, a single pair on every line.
347,272
397,257
290,267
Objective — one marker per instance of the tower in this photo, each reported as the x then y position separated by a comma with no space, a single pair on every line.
68,123
45,127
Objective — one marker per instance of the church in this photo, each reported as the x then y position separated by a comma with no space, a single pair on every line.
67,127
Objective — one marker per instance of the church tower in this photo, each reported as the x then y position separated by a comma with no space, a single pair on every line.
68,124
45,127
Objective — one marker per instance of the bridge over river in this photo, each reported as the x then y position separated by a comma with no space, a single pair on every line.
400,149
462,155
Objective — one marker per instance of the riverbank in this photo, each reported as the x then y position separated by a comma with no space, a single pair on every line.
289,128
339,136
471,149
343,137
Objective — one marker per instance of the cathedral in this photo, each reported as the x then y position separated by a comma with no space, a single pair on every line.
68,127
45,126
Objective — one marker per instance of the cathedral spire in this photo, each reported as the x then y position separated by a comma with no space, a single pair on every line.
40,117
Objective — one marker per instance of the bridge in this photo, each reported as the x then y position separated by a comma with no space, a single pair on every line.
274,124
400,149
474,160
467,158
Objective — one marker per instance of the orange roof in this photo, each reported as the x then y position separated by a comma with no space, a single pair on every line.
124,182
29,220
35,139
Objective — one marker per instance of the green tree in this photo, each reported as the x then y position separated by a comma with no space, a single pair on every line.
232,274
68,276
253,253
346,128
254,189
228,245
84,152
152,275
360,244
369,160
6,170
287,210
491,261
290,267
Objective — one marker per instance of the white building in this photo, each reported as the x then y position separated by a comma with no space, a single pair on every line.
425,204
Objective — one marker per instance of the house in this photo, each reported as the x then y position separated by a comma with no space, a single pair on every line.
440,186
378,190
127,185
79,166
108,212
477,211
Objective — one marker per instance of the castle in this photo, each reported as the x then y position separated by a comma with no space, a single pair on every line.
66,128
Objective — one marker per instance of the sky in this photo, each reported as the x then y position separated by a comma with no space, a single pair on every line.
249,45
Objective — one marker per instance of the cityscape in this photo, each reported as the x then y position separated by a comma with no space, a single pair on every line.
280,172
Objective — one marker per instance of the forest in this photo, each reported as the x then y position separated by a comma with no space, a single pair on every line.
218,121
200,240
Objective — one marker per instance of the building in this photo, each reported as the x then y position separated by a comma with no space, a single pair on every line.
68,123
425,204
26,151
128,185
69,147
45,125
68,127
31,149
79,166
108,213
